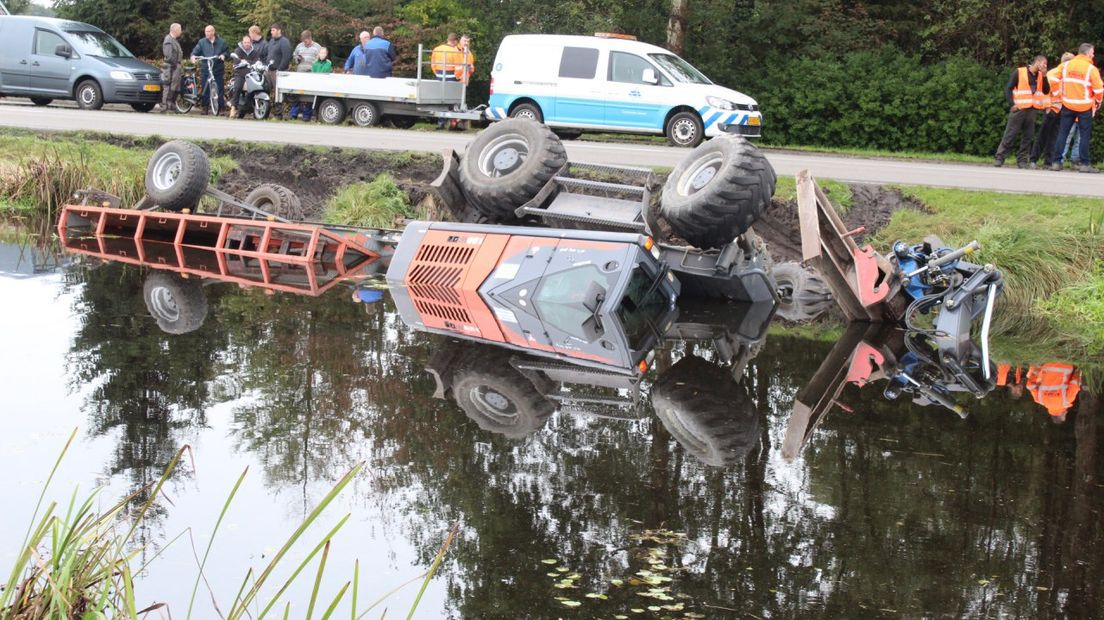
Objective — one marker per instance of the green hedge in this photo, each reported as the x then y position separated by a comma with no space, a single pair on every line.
885,100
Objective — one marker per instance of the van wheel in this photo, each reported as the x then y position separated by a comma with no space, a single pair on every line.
527,111
331,111
717,191
143,107
89,96
177,304
685,129
41,101
366,114
703,407
276,200
177,175
507,164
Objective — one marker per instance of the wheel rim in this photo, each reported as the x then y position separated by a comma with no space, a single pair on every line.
166,171
260,109
88,95
329,113
699,174
684,131
527,114
213,100
504,155
364,115
494,404
163,304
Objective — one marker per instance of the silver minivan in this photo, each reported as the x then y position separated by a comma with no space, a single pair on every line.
46,59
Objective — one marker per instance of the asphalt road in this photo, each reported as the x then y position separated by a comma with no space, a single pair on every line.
849,169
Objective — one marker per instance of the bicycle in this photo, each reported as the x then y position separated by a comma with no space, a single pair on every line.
190,92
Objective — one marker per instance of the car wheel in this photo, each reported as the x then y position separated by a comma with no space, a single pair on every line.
89,95
527,111
143,107
685,129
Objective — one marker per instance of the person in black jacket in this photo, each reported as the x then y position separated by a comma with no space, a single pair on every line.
211,45
279,59
248,54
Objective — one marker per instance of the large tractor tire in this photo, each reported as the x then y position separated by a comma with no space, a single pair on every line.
277,200
498,398
802,294
507,164
177,175
177,304
706,411
717,192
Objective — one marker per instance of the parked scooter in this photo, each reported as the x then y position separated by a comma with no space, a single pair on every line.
253,96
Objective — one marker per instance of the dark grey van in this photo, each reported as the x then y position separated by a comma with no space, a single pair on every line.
46,59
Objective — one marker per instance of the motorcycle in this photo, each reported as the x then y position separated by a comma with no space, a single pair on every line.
253,95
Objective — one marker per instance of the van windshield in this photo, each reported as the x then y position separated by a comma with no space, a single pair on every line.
92,43
679,69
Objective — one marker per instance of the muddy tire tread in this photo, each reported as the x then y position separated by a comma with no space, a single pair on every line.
498,198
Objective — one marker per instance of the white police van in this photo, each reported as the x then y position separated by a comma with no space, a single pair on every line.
613,83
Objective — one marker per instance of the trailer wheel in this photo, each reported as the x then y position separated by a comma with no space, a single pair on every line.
177,175
498,398
277,200
802,294
706,411
507,165
366,114
331,111
717,191
177,304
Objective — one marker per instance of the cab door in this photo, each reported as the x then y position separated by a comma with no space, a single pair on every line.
15,55
579,95
49,72
636,92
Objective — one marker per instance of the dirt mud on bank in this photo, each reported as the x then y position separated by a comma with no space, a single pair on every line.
872,206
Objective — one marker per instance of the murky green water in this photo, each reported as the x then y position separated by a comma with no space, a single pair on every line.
890,510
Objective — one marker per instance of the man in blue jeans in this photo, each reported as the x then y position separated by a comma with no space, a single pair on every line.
211,45
1082,92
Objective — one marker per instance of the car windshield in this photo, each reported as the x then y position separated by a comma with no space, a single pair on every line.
641,310
679,69
92,43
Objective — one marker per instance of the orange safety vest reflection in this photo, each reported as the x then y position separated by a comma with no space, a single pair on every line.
1080,85
1003,371
1054,386
445,58
1022,96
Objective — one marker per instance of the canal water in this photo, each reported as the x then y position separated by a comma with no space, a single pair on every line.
618,503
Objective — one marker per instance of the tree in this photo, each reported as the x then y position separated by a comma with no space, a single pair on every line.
676,25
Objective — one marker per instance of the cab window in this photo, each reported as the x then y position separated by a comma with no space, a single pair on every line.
629,69
579,62
46,42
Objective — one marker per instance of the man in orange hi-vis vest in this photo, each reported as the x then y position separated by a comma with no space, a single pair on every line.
1055,386
1044,143
466,68
446,58
1026,93
1081,92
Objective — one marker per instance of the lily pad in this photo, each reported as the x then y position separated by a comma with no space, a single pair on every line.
570,603
548,561
617,582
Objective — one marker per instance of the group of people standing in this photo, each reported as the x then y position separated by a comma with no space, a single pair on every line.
276,52
1068,95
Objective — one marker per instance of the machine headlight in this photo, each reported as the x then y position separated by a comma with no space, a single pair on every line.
122,75
723,104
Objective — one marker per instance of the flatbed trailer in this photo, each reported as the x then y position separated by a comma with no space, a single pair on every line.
369,100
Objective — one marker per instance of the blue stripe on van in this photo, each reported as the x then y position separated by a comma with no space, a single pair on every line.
712,119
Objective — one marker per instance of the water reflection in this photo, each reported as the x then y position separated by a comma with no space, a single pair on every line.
890,506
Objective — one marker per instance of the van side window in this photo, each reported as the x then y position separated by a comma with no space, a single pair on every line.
46,42
629,68
579,62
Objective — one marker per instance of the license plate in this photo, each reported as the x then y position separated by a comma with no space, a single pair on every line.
153,88
754,120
